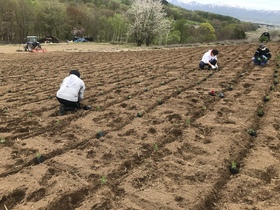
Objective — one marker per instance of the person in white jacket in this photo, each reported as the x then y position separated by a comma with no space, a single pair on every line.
71,92
209,59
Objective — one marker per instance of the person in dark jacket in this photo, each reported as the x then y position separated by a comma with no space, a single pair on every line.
265,35
262,55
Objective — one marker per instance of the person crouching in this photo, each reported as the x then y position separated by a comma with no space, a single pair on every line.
71,92
262,55
209,59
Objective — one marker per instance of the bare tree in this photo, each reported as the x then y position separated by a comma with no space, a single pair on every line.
146,20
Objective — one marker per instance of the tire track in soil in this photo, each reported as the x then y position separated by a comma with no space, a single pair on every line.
135,160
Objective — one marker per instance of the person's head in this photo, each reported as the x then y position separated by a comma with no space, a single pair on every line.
75,72
215,52
262,46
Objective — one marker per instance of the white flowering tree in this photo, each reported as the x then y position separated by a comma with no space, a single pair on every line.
147,20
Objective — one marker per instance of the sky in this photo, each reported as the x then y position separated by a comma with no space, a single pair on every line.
249,4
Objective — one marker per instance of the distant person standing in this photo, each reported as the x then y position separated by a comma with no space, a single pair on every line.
262,55
209,59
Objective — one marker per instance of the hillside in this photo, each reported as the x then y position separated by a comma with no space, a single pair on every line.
67,19
248,15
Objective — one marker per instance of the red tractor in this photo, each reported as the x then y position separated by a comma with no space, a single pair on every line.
32,45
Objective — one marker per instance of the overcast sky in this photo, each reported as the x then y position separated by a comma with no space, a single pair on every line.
250,4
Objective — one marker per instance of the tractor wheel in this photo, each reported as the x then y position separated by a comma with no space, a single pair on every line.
29,47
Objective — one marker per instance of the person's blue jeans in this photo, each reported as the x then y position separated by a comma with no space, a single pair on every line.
202,64
261,61
69,104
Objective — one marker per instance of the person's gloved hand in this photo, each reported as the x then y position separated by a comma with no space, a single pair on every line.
258,58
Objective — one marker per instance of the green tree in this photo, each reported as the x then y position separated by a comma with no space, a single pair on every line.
174,37
206,32
119,28
50,18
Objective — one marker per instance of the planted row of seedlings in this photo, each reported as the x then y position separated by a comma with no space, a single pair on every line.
234,168
235,164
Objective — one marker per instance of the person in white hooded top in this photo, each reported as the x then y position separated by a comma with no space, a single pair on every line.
71,92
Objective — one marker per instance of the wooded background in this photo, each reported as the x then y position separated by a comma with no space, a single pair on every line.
112,21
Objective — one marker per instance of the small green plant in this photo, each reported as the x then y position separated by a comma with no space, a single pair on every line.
160,101
129,97
100,134
5,109
179,90
188,122
58,122
162,83
275,81
272,87
29,114
156,147
103,180
234,168
38,158
38,155
252,132
139,114
2,140
204,108
98,108
230,87
266,98
260,112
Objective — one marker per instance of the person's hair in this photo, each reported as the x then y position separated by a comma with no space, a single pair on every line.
262,46
215,52
75,72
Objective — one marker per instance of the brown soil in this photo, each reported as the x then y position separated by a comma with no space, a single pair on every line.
176,156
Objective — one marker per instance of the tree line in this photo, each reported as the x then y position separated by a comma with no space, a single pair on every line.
118,21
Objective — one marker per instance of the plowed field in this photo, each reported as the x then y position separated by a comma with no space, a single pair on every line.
176,156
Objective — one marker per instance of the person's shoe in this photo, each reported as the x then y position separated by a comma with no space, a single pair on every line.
61,110
86,107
